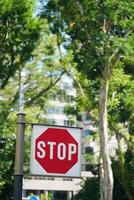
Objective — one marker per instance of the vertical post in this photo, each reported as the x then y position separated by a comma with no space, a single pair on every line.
18,176
69,195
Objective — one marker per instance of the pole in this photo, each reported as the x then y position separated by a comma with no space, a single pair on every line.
19,155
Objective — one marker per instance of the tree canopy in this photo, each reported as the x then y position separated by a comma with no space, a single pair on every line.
19,33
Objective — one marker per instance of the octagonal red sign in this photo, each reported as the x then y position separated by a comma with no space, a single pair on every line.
55,151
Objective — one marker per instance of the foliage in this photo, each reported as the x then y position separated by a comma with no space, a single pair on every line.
89,191
94,31
124,177
19,32
121,96
6,167
44,197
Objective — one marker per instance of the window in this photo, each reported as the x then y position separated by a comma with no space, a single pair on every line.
70,98
66,123
56,110
51,121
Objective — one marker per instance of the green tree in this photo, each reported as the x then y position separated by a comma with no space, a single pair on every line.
89,191
19,32
7,166
120,122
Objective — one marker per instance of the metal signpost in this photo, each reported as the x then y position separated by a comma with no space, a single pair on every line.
18,176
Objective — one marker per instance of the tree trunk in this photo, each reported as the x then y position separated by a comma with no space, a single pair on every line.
106,175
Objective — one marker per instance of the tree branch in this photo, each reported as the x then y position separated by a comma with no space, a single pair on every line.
77,82
127,141
116,54
45,90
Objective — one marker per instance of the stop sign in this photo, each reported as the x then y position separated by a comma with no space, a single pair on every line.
56,151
